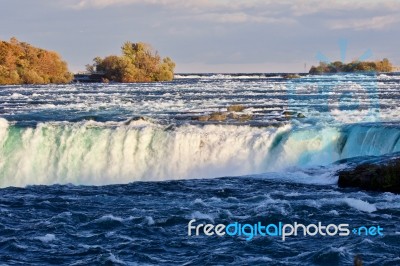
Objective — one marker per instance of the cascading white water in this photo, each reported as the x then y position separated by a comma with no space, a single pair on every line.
90,153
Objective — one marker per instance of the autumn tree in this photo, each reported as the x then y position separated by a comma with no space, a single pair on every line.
384,65
139,62
21,63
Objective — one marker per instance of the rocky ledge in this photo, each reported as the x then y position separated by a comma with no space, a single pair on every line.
235,113
232,113
291,76
384,177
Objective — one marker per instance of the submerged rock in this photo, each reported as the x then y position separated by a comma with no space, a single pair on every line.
291,76
223,116
203,118
245,117
236,108
137,118
385,177
218,116
288,113
291,114
233,116
358,261
300,115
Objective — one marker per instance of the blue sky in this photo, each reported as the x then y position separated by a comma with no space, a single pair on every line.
206,35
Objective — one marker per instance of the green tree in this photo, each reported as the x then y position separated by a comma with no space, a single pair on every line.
166,70
139,62
128,50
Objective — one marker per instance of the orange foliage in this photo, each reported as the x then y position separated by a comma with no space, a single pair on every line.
21,63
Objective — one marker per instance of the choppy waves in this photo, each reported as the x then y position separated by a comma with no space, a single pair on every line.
146,223
323,99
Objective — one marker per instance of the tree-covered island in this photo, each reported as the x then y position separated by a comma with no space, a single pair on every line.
356,66
139,62
22,63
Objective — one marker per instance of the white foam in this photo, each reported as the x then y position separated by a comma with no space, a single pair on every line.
114,259
360,205
202,216
149,220
110,217
334,212
3,130
176,76
16,96
200,202
47,238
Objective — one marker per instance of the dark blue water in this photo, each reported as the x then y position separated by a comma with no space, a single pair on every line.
146,223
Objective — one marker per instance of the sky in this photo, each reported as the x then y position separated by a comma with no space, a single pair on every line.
203,36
